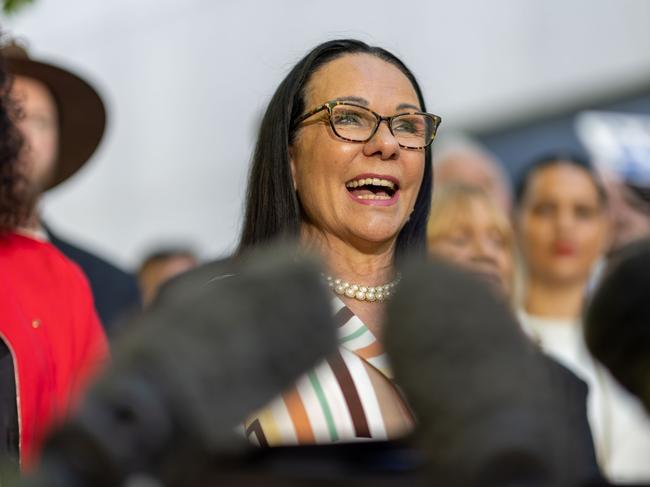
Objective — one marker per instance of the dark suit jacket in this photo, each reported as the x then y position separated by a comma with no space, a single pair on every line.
115,292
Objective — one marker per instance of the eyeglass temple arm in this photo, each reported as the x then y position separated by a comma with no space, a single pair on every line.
312,112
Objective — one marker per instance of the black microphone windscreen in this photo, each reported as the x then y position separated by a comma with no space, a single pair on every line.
483,394
194,368
617,319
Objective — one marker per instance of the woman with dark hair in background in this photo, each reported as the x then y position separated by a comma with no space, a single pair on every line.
561,221
343,166
50,336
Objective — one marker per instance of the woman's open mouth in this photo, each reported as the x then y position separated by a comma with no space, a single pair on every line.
373,190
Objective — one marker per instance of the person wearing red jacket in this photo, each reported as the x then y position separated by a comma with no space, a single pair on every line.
51,340
62,120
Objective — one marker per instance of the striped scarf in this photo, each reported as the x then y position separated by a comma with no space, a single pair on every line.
350,396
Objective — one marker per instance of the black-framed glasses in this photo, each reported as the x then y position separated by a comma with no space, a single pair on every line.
356,123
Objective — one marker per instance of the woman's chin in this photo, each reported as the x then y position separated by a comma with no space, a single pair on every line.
567,274
372,238
377,233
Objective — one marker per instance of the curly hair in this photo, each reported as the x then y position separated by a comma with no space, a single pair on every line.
15,206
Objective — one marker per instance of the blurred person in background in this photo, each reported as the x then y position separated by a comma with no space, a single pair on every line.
469,228
617,320
629,207
62,120
51,339
462,161
160,266
562,226
619,145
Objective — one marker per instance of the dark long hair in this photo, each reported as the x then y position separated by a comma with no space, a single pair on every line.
272,207
555,159
15,205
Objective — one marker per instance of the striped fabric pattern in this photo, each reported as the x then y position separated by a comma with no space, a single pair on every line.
348,397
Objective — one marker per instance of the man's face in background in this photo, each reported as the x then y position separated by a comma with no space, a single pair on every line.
38,122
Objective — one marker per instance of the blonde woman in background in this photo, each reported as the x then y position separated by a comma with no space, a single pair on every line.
468,228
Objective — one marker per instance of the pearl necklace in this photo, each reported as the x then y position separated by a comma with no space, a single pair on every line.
363,293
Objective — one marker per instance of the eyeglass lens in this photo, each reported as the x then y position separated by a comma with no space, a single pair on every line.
358,124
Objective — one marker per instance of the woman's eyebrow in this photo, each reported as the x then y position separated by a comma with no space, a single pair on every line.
362,101
354,99
405,106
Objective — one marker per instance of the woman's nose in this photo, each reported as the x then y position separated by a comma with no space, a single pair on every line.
382,143
564,221
484,248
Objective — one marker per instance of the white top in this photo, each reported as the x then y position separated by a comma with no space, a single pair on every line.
619,423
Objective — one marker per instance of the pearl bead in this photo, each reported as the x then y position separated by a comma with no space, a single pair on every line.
371,297
361,296
349,292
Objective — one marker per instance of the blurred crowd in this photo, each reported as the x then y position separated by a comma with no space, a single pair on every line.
545,257
542,246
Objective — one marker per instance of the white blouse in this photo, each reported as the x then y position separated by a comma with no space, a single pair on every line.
619,424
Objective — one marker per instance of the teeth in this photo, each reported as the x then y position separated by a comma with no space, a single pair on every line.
373,197
367,181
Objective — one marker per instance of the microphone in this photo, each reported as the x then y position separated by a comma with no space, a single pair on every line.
617,319
206,356
492,409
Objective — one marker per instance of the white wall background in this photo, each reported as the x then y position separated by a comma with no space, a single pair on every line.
186,82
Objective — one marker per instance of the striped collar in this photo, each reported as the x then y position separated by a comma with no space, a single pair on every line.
355,336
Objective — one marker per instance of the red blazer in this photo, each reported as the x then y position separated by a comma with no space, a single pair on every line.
49,323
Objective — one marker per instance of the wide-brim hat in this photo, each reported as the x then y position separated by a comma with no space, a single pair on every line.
82,115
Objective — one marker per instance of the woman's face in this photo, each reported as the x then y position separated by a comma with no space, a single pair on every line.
325,168
562,224
478,244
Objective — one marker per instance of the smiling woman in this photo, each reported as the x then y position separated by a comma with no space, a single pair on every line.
323,165
343,165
